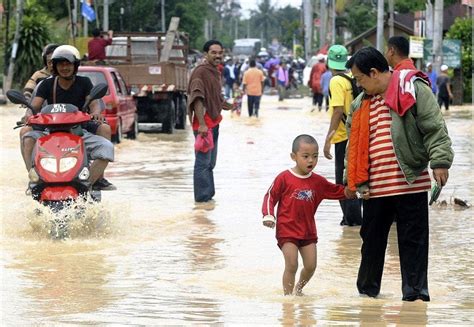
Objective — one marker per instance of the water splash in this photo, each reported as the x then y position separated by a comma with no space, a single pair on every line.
79,219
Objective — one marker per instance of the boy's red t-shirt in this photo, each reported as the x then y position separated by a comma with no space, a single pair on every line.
298,197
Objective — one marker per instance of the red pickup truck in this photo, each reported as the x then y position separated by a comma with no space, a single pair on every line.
120,108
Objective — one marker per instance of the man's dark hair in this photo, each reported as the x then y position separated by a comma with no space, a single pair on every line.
400,44
252,63
96,32
210,43
367,58
303,138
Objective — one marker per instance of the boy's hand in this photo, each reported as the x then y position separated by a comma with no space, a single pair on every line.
269,221
350,194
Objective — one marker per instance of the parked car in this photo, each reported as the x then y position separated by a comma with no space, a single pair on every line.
120,108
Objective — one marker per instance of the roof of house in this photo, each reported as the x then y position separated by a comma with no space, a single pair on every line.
365,34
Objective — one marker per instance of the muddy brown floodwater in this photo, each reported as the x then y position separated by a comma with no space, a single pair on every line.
162,260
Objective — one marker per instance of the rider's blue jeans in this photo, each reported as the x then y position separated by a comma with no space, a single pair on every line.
203,171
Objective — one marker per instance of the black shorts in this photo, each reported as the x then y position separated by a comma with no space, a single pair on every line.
91,126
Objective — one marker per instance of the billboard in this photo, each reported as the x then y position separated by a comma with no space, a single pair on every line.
451,52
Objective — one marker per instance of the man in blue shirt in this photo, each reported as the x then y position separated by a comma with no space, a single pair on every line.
432,76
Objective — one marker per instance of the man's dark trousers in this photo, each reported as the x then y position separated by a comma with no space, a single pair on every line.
203,170
411,211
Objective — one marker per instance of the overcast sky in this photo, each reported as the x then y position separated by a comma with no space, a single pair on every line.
248,5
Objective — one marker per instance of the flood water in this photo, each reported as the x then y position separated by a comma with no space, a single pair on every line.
162,260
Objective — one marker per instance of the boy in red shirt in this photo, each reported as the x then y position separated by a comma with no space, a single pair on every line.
298,192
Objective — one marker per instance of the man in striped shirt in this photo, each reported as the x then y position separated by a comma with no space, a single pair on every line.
402,141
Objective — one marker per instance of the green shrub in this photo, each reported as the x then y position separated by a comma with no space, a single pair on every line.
462,30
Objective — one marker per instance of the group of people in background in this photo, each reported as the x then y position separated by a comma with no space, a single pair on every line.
440,84
253,75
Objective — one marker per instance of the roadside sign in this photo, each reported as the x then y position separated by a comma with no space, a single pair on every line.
416,47
451,52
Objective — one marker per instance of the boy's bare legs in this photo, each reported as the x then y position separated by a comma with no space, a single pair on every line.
290,253
309,254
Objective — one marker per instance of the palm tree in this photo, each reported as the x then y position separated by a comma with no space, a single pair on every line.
264,18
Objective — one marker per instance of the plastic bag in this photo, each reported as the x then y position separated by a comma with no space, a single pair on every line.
204,143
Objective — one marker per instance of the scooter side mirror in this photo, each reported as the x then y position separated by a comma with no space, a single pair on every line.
97,92
17,97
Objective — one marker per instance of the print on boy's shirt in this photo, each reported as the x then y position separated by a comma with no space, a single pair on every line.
306,195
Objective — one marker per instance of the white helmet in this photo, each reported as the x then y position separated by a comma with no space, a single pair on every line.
66,53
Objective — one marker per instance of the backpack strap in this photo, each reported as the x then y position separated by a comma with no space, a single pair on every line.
353,84
351,80
55,86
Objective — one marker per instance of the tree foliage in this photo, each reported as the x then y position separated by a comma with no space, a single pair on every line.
190,22
56,8
289,26
360,16
34,35
264,18
405,6
462,30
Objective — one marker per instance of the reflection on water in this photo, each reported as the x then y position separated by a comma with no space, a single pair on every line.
168,261
64,278
297,314
202,243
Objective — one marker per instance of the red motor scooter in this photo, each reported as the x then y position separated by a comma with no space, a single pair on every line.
60,170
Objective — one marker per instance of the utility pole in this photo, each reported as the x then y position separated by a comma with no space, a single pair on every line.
122,11
308,28
429,20
206,29
380,38
85,27
391,18
7,33
333,22
236,35
163,19
438,35
323,21
16,40
105,26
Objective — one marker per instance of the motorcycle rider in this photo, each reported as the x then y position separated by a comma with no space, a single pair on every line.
31,84
67,87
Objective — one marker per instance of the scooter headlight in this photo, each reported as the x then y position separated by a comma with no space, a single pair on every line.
67,163
49,164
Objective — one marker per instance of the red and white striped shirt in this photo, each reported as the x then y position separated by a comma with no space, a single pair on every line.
386,177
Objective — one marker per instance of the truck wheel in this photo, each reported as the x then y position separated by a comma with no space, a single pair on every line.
117,137
132,134
181,112
170,119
